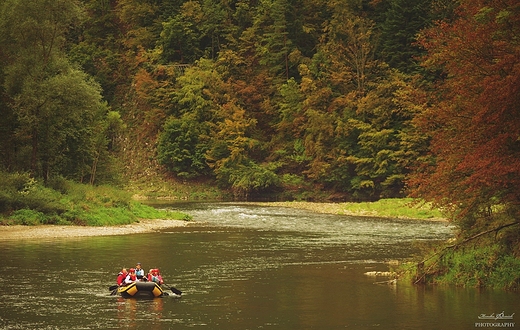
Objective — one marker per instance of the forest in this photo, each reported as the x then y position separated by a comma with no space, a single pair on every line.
361,99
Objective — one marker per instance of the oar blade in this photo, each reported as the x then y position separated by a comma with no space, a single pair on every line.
176,291
112,287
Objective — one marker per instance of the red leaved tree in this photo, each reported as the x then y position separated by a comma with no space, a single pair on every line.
474,117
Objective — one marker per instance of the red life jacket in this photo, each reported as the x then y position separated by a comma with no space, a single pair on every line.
121,278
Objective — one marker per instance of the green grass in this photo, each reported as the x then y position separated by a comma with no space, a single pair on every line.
392,208
487,264
395,208
27,201
149,212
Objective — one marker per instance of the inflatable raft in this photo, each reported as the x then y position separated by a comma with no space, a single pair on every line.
141,289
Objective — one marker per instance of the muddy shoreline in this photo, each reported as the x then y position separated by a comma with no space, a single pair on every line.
19,232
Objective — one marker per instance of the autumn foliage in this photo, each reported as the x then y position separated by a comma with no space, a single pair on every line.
262,97
474,116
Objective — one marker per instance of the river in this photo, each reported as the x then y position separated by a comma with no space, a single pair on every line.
242,266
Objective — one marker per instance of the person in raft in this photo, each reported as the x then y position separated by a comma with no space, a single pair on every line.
131,277
155,276
139,272
121,276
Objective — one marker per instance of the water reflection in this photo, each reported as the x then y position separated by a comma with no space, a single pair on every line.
131,311
240,267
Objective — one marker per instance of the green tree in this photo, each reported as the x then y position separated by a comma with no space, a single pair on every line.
231,155
287,146
352,39
57,107
352,113
181,146
95,45
403,21
185,137
273,46
194,32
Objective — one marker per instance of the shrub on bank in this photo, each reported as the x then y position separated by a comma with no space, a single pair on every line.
479,266
396,208
147,212
20,191
28,217
486,264
25,201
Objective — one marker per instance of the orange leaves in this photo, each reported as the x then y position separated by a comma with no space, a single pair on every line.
144,84
476,110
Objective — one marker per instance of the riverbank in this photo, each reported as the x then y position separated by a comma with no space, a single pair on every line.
394,208
400,208
20,232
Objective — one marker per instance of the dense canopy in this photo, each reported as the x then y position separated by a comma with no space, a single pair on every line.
474,112
350,98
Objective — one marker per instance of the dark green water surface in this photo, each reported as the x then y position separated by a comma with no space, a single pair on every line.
240,266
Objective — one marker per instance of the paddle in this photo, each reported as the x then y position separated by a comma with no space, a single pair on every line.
113,287
174,290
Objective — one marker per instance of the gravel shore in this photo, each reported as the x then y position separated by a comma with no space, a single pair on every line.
54,231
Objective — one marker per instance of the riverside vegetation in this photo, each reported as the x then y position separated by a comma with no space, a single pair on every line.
487,264
25,201
403,208
294,100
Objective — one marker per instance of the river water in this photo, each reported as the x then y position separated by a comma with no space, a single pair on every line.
242,266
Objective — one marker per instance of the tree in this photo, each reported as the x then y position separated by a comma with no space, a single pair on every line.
402,22
57,107
273,44
95,45
180,38
351,112
185,138
181,146
353,41
474,117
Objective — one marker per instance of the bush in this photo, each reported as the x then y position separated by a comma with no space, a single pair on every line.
45,200
60,184
107,196
148,212
13,186
25,201
484,265
28,217
15,181
247,178
293,180
180,149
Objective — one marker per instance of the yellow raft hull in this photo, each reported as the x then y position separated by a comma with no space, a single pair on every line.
141,289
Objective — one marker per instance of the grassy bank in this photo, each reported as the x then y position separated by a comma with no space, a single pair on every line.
157,187
486,264
394,208
26,201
